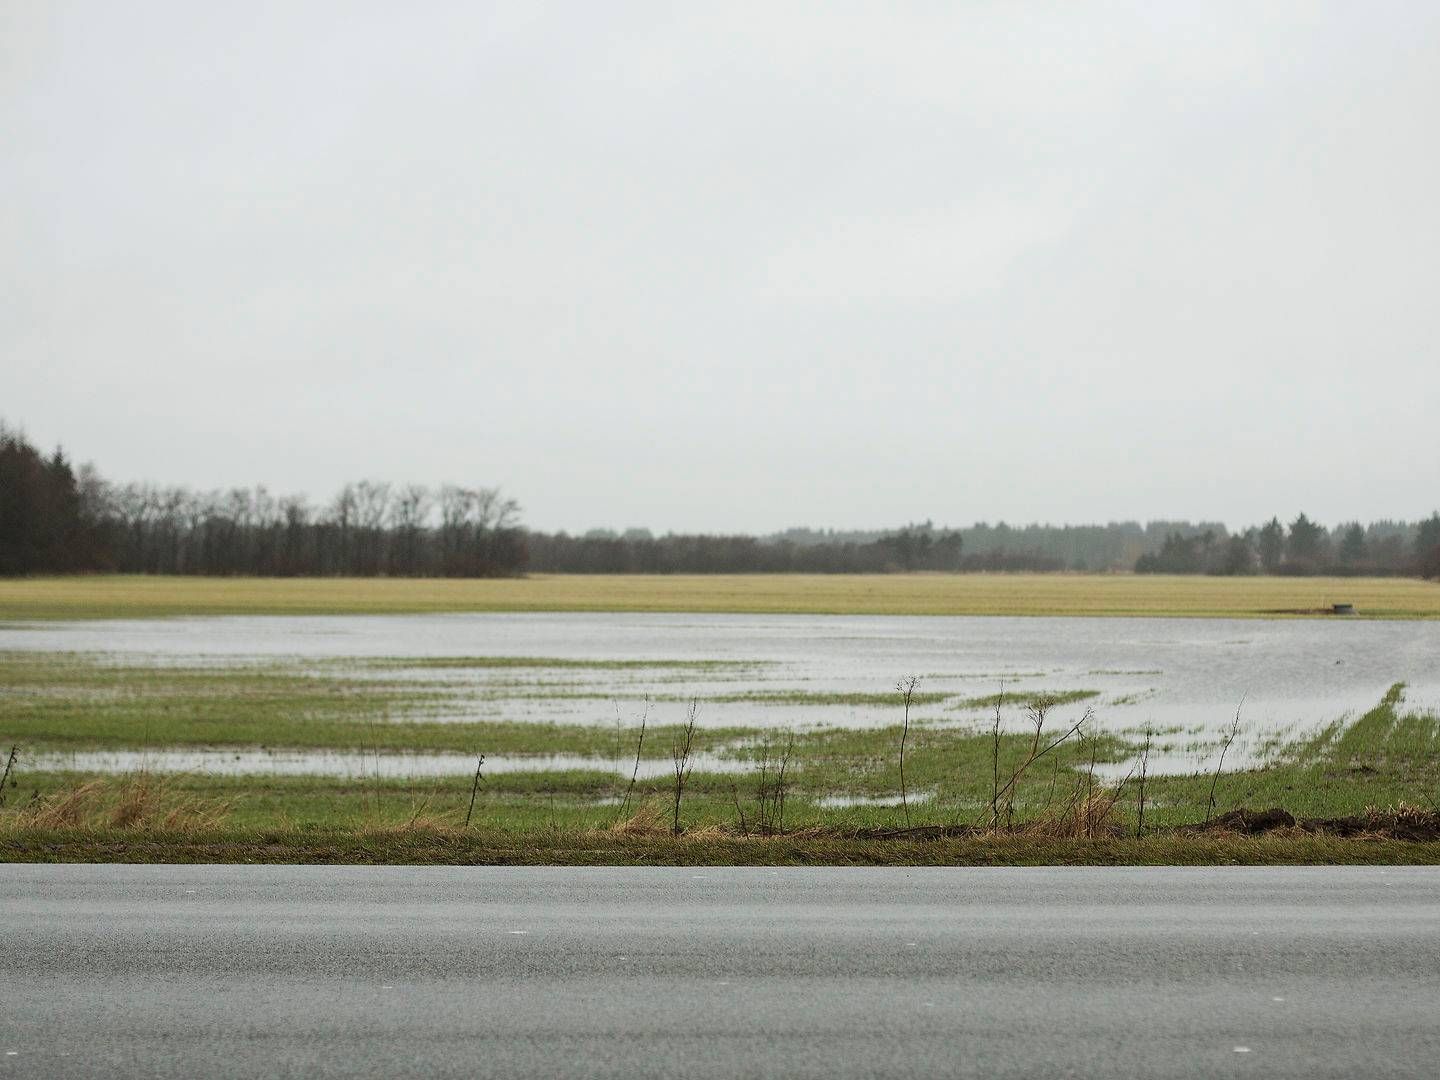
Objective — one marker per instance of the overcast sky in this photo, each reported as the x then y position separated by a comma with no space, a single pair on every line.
732,266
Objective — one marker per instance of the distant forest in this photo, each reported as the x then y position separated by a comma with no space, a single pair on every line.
57,518
1384,548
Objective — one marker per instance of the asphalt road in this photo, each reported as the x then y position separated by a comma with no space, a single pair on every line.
119,971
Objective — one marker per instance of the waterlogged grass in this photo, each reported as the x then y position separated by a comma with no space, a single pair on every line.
1389,757
1024,699
73,701
817,697
119,596
473,663
52,701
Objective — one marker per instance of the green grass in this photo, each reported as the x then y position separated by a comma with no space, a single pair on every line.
75,701
550,846
118,596
1387,757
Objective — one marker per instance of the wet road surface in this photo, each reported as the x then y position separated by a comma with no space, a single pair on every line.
120,971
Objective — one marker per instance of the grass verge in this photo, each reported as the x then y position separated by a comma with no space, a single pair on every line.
418,846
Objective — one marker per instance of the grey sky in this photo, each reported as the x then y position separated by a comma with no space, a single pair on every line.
732,266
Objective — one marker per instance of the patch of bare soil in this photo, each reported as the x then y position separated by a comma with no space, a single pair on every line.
1397,823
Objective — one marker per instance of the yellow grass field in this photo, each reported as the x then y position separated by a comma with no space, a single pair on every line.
116,596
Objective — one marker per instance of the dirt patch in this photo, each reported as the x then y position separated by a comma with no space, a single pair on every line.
1393,823
1397,823
1246,822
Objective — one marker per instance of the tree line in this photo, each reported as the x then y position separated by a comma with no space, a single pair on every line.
638,552
57,518
1303,548
1382,548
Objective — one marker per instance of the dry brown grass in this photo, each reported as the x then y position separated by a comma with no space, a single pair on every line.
648,820
140,801
1090,816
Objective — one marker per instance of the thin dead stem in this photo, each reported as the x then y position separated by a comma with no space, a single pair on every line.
995,760
1144,770
639,747
1230,735
9,768
474,789
906,688
681,751
1038,749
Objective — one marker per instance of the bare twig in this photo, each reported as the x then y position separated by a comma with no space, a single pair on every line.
782,783
772,784
906,688
680,753
1050,792
762,784
1037,713
1230,734
639,746
1144,770
995,760
1090,794
739,810
9,768
1038,709
474,788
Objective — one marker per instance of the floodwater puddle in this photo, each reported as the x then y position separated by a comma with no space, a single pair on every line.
349,764
806,671
845,802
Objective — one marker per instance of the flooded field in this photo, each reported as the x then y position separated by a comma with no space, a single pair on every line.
799,671
357,765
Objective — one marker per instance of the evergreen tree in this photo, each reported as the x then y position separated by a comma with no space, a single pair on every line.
1271,545
1353,548
1303,548
1427,546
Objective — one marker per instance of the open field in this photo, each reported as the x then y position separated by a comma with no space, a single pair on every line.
114,597
840,787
